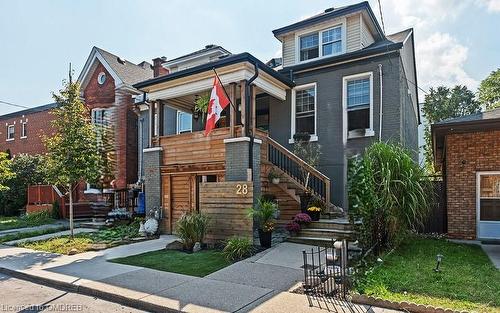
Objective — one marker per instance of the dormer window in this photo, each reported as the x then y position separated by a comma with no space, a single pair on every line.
323,43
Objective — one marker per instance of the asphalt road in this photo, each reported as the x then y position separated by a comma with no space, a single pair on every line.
22,296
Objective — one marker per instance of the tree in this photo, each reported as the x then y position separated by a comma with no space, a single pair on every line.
29,170
72,155
489,90
5,170
443,103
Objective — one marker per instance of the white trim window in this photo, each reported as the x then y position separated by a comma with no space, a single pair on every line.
304,111
184,122
24,130
358,105
322,43
11,132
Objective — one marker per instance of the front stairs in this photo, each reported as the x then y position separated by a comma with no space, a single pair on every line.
322,232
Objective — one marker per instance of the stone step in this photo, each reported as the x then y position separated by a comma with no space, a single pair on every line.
341,224
322,242
327,233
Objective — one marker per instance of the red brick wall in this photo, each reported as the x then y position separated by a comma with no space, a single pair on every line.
38,124
467,154
99,96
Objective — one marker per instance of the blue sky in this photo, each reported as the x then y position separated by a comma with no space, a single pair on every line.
456,41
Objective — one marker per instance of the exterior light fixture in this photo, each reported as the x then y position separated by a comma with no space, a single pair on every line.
439,258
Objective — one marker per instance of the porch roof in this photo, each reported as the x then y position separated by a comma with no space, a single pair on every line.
228,65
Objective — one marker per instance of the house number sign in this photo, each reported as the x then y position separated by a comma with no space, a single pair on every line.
241,189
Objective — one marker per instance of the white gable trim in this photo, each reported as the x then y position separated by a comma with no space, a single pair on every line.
96,55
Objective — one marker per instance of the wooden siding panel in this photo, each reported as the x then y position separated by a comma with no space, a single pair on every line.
366,35
353,33
226,209
288,50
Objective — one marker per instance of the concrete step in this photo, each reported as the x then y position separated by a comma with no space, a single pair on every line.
93,225
327,233
339,223
322,242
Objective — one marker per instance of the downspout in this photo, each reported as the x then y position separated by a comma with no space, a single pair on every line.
381,103
248,132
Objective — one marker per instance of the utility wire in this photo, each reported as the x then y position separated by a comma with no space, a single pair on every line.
14,105
381,16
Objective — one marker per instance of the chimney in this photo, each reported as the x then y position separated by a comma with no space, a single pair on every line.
159,70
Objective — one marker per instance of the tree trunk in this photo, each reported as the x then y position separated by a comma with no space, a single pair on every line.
71,226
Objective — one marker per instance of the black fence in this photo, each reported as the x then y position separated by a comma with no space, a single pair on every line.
436,222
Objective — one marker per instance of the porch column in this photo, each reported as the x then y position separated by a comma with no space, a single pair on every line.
232,110
243,84
161,125
151,123
253,108
152,177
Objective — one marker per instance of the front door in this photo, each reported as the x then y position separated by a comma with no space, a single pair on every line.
488,205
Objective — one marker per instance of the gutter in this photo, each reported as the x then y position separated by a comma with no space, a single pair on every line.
249,133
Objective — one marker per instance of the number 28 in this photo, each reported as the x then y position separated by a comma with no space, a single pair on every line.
241,189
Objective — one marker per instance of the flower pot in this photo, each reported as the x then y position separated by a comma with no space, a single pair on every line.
275,181
265,238
314,215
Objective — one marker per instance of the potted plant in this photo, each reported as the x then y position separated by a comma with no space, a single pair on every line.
314,212
293,227
201,106
273,177
264,214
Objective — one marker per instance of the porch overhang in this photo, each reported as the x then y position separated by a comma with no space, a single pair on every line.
231,69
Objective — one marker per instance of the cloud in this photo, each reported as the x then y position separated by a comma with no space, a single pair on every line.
491,5
440,61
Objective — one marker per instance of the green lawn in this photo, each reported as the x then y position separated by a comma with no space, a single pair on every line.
467,281
35,219
197,264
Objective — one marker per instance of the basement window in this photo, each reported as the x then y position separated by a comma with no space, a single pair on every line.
358,104
10,132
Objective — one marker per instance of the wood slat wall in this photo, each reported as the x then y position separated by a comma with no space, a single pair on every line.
227,210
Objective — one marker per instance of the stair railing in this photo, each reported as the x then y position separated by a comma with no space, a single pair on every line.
314,181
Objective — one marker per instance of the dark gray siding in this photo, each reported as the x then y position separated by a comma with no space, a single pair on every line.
330,123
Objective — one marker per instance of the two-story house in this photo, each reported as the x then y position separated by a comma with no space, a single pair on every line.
340,79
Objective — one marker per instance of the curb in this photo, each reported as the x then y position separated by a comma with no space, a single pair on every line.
402,306
92,292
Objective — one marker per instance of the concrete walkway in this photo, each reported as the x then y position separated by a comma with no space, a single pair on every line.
56,225
493,252
257,284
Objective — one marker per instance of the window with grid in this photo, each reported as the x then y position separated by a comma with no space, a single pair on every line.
305,115
184,122
309,47
332,41
358,104
10,132
101,118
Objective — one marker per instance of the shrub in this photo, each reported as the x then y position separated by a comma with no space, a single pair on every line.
264,214
56,210
302,218
38,218
389,192
238,248
293,227
191,228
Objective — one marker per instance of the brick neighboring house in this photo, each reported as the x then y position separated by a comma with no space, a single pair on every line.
21,132
467,151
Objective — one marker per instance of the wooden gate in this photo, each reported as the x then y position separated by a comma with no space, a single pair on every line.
436,222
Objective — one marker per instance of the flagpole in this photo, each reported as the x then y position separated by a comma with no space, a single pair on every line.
230,102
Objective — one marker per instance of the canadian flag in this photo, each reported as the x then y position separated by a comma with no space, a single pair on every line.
218,102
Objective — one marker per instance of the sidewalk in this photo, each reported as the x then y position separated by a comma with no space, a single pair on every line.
55,225
257,284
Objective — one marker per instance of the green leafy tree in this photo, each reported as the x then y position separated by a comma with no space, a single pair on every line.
72,154
29,170
442,103
489,90
5,171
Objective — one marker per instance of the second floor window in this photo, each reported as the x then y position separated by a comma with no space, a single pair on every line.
24,130
309,47
305,110
10,132
319,44
184,122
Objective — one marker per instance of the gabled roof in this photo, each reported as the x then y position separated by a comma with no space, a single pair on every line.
231,59
37,109
207,49
123,71
329,14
